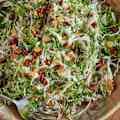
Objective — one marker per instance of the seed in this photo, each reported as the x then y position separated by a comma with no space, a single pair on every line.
70,56
45,39
100,64
14,40
61,2
27,62
17,51
114,29
67,45
93,87
12,16
48,62
94,24
42,78
2,60
25,52
113,51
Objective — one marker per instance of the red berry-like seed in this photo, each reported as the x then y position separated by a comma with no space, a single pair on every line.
27,62
14,40
25,52
94,24
114,29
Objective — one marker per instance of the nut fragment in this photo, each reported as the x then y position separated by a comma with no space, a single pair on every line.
70,56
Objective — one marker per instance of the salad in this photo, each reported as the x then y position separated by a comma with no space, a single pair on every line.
58,52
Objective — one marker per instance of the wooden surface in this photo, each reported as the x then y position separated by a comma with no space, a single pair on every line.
107,109
115,4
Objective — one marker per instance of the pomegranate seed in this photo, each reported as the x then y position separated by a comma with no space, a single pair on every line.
36,52
93,87
2,60
34,55
114,29
113,51
27,62
61,2
14,40
45,82
44,10
17,51
94,24
42,78
47,62
100,64
12,16
25,52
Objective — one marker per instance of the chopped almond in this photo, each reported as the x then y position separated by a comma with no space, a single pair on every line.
45,39
67,45
38,50
70,56
59,69
50,103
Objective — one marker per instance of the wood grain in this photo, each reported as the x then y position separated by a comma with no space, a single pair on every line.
115,4
109,108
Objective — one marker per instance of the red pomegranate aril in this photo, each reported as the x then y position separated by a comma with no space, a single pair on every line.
47,62
66,23
34,55
41,72
14,40
12,16
27,62
93,87
2,60
25,52
45,82
94,24
114,29
17,51
48,8
61,2
100,63
43,10
13,55
113,51
42,78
